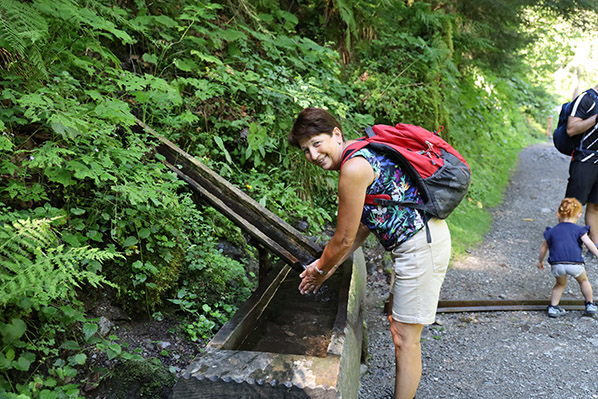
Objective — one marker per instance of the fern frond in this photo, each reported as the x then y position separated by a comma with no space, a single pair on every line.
20,239
21,24
22,31
9,35
34,267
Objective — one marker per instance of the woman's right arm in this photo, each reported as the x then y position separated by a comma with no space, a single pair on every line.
362,233
356,175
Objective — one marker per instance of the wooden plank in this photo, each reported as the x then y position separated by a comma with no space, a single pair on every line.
240,221
503,305
262,224
232,334
257,215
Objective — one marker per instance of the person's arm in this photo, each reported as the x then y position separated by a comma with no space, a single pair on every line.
356,175
362,234
588,243
576,125
543,252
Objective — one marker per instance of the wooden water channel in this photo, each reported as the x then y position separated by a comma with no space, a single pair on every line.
279,344
271,233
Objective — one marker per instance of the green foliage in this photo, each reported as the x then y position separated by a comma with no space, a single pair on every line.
23,31
45,335
203,326
36,270
45,352
401,73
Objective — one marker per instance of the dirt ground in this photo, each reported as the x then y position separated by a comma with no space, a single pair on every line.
493,355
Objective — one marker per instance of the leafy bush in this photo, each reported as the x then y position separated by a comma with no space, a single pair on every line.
42,324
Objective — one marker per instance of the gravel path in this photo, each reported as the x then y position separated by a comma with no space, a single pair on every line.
500,354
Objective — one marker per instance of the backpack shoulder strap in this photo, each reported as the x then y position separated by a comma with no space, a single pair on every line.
353,148
358,145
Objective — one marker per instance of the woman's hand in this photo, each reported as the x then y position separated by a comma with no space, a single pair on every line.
356,175
311,280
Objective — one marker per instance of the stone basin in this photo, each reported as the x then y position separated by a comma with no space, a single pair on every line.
281,344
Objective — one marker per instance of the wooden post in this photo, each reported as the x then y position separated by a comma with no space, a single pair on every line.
264,261
549,127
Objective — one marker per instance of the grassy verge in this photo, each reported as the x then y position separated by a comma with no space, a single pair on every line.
471,221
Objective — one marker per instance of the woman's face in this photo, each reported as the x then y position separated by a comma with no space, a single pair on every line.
324,149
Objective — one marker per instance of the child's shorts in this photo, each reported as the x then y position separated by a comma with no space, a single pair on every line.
572,269
419,270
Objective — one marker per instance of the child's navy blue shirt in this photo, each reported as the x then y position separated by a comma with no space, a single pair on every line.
564,242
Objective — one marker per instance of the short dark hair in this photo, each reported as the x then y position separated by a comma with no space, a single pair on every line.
310,122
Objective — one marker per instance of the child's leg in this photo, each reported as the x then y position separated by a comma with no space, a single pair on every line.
557,290
585,286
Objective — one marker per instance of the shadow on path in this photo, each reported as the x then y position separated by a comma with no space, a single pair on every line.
518,354
504,265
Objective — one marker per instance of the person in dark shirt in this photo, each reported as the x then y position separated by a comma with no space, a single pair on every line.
564,242
583,170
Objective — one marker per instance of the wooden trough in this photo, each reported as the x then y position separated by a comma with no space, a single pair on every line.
281,344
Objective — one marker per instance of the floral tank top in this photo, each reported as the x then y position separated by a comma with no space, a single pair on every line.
391,224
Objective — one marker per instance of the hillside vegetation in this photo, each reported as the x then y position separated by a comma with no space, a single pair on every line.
86,204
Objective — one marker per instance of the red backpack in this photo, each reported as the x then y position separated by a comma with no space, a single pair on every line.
440,173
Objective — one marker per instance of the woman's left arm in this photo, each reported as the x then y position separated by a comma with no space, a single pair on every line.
355,176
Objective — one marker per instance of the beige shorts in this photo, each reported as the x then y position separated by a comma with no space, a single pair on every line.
419,270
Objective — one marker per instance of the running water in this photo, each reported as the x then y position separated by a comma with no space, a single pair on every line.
297,324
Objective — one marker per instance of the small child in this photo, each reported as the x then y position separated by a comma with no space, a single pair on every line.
564,242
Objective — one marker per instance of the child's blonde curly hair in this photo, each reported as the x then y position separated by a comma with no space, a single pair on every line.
570,207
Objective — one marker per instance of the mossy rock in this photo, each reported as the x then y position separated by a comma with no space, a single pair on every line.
140,379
